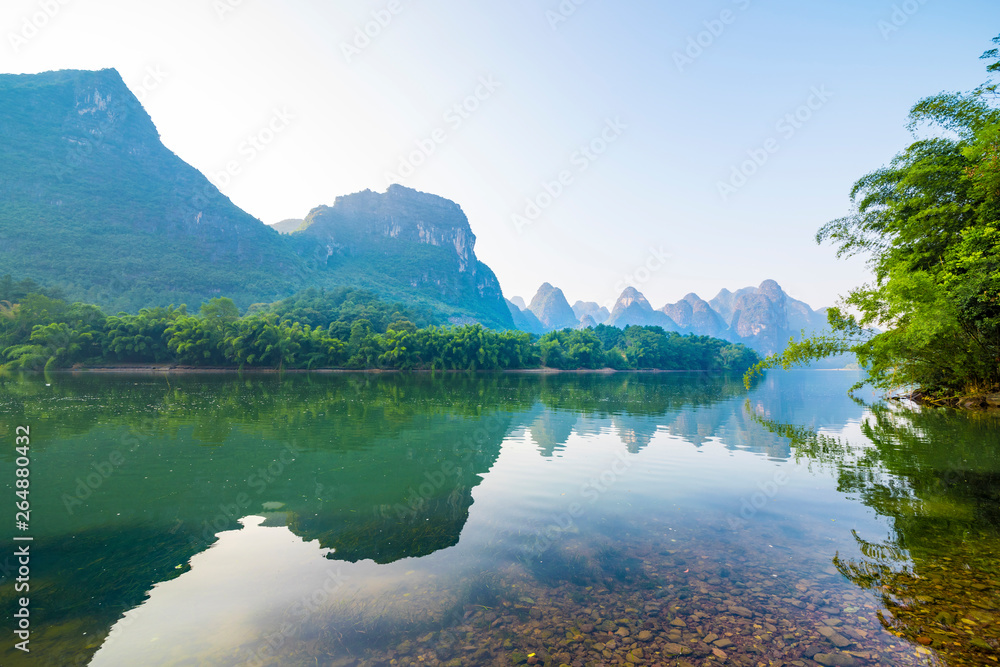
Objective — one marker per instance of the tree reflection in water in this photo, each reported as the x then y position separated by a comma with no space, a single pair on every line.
935,473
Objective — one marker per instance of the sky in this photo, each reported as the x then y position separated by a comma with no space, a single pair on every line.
672,146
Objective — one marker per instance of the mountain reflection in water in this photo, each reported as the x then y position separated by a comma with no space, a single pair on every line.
477,519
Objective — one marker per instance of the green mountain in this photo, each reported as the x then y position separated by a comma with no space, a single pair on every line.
405,245
287,226
524,319
92,202
549,305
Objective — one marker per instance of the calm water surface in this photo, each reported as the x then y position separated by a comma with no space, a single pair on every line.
671,519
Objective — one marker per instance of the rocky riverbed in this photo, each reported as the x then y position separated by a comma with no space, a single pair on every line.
648,603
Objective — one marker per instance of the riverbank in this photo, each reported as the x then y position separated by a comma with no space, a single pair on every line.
180,369
967,402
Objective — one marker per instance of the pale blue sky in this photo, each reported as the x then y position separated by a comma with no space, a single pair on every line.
211,73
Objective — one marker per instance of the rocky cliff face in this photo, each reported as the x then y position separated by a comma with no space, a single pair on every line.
407,245
723,303
765,317
400,216
760,317
551,308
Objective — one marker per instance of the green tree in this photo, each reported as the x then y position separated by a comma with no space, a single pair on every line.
400,350
220,312
261,340
195,341
141,338
362,350
55,345
929,227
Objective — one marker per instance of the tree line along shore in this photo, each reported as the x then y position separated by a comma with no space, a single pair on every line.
346,329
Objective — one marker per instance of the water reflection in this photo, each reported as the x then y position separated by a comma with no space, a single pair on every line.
277,566
482,518
137,474
935,474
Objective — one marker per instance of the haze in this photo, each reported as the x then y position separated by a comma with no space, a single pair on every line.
584,140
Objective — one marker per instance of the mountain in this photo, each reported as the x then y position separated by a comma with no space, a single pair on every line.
724,300
692,313
762,317
407,245
802,317
765,317
287,226
525,320
551,308
633,309
598,314
91,201
519,302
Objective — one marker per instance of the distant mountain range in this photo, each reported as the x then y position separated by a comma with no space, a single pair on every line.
92,202
762,317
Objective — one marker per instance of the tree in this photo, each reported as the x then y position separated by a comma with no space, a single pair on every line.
261,340
219,312
56,345
194,341
929,225
141,338
361,349
400,350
